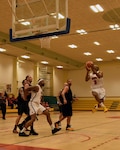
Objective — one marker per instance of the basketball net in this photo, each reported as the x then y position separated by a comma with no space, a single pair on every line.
45,42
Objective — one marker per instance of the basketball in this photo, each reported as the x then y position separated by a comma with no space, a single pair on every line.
89,64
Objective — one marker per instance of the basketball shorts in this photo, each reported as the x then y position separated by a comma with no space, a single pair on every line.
100,92
35,108
67,110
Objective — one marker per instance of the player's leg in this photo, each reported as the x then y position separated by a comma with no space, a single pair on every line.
69,115
27,124
16,123
49,120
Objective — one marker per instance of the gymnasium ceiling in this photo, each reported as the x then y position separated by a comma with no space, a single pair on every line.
82,17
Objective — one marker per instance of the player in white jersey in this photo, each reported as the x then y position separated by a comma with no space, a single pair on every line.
36,108
97,88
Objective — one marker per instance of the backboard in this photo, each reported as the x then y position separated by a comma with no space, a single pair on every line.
38,19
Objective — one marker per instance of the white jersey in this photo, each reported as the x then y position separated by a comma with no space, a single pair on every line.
36,97
95,81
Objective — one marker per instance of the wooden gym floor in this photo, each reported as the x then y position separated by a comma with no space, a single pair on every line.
92,131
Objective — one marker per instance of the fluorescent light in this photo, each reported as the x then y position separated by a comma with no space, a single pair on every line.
99,59
99,8
54,37
44,62
96,8
72,46
87,53
2,50
115,27
60,16
23,22
118,57
110,51
59,67
96,43
82,31
25,56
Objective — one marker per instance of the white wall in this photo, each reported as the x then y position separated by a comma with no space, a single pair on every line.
24,69
79,87
6,70
59,77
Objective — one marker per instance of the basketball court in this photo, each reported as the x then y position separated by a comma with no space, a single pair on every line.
92,131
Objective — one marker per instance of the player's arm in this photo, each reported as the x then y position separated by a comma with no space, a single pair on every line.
32,88
65,90
98,73
21,91
87,77
29,89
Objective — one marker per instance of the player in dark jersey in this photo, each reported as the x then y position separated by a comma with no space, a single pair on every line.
22,106
21,125
67,106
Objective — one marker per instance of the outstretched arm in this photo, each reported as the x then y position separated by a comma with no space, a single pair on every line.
87,77
29,89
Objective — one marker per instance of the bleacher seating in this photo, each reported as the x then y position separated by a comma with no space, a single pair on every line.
82,103
87,103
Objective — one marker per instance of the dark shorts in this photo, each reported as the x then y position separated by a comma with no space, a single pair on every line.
67,110
23,108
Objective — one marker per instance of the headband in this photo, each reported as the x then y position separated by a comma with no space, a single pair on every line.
40,80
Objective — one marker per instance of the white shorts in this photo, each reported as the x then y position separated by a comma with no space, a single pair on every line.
100,91
35,108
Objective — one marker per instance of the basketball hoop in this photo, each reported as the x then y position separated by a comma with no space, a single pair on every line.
45,42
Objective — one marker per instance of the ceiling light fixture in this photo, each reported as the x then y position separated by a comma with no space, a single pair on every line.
25,56
110,51
72,46
96,8
87,53
54,37
99,59
23,22
44,62
82,31
115,27
96,43
60,16
59,67
118,57
2,50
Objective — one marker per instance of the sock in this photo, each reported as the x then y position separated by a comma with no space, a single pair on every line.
102,105
52,127
23,130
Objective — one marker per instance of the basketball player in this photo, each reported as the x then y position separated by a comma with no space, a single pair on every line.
60,103
98,91
36,108
66,106
26,85
22,106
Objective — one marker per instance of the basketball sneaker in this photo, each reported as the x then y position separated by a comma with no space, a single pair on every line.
95,108
105,110
69,128
33,133
55,130
23,134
